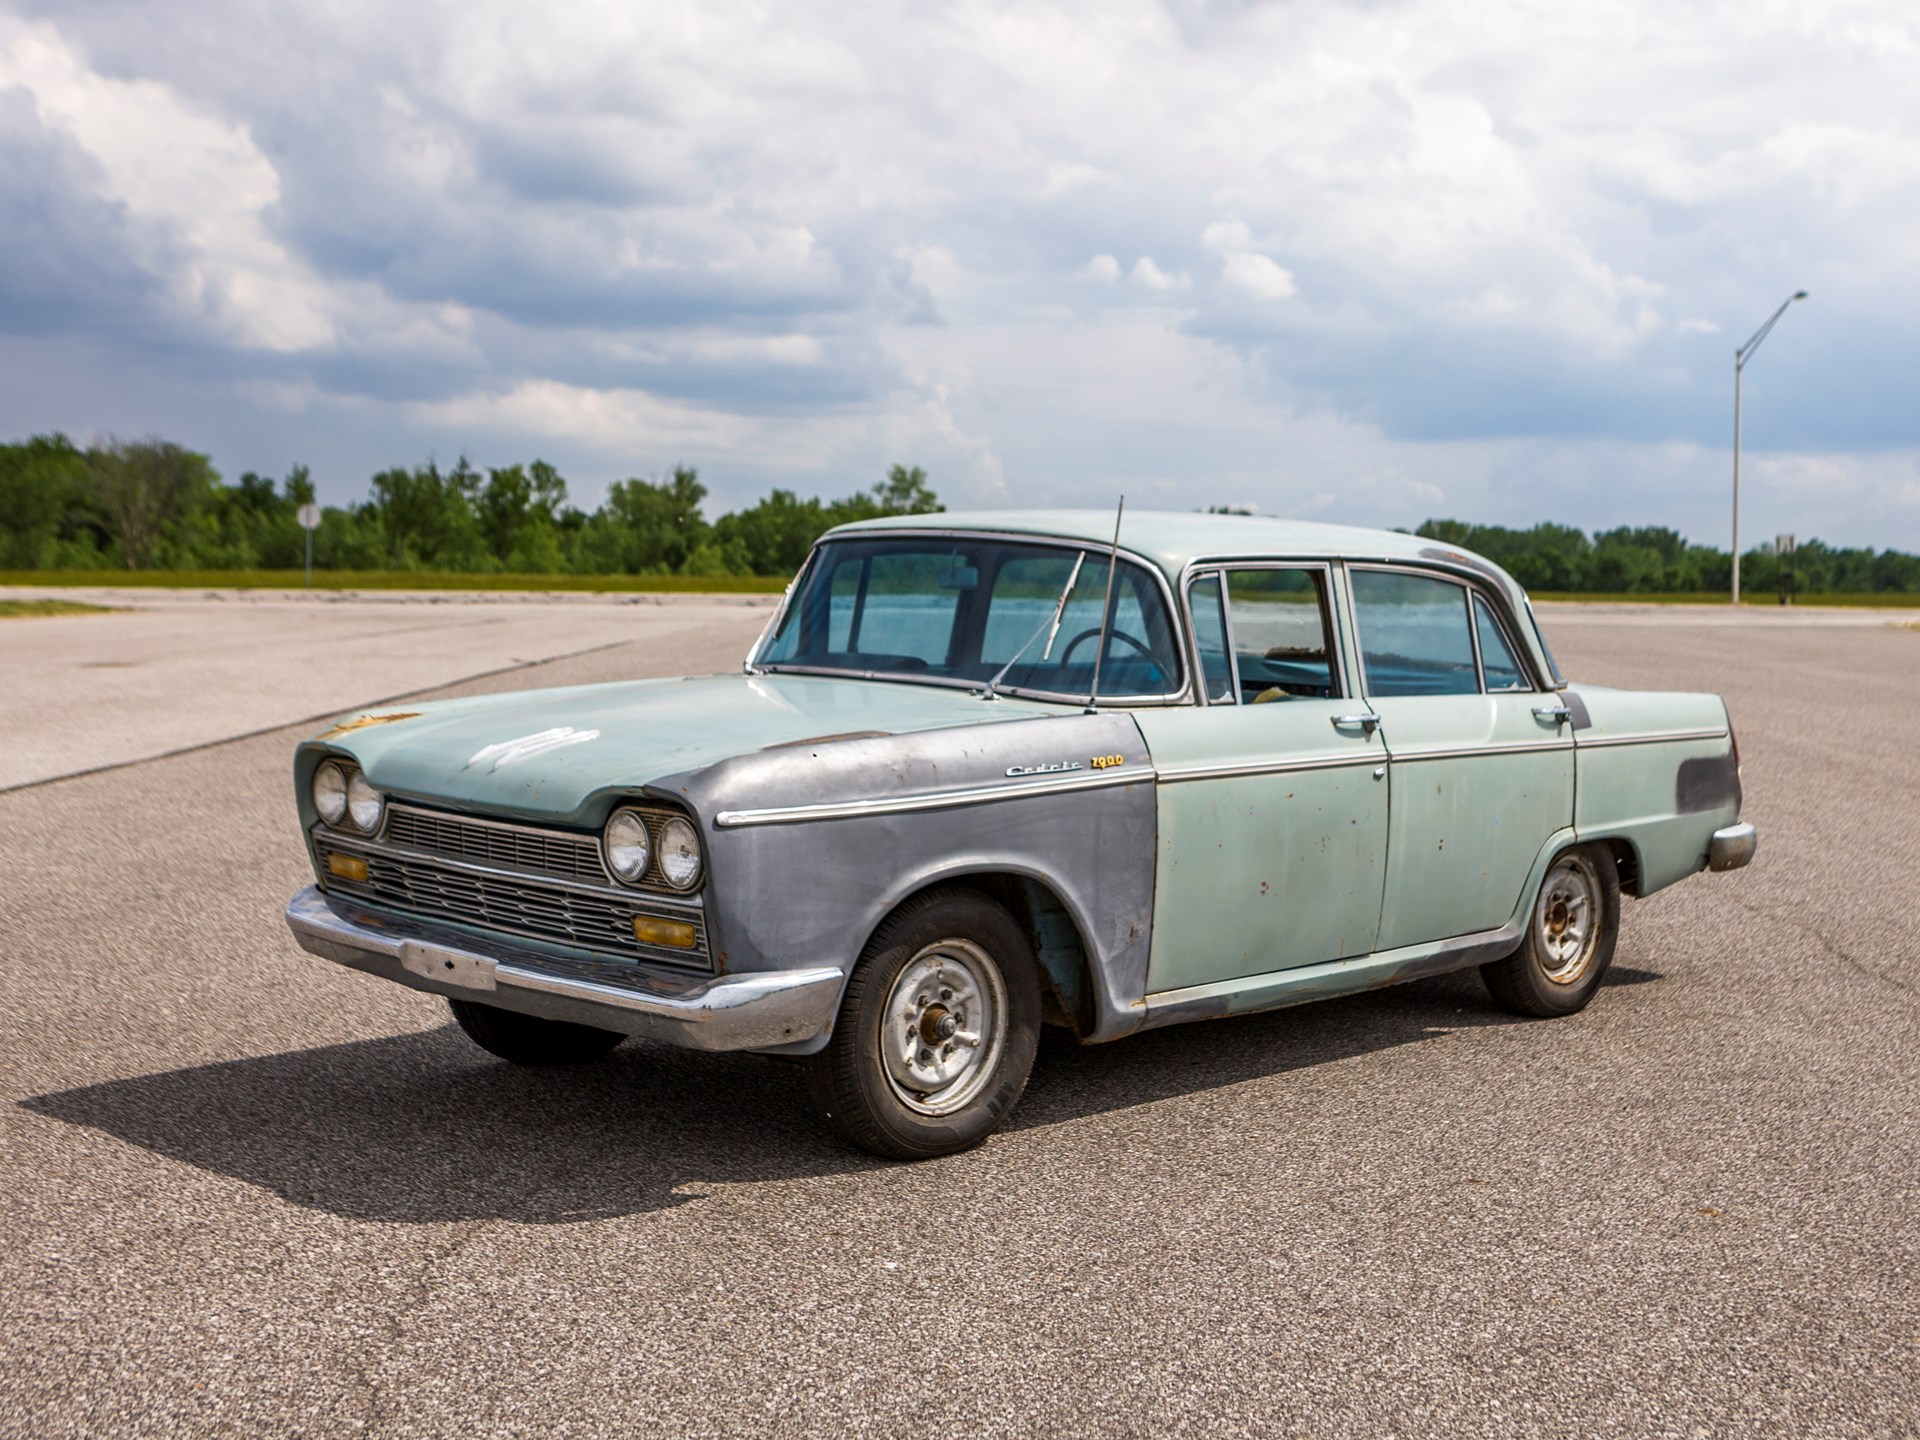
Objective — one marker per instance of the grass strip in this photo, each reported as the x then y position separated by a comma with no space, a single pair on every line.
1871,599
29,609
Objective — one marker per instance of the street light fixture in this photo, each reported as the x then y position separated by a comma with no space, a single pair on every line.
1740,358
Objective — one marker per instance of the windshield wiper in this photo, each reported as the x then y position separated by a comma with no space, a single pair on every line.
1051,625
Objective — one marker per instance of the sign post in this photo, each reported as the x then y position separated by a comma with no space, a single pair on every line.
309,517
1784,546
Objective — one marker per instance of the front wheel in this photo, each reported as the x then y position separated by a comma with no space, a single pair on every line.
1569,941
937,1032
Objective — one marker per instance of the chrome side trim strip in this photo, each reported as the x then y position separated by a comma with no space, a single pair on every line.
1173,775
1470,752
1278,989
1652,737
930,800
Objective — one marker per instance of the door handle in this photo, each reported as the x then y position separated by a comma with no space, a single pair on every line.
1558,714
1368,723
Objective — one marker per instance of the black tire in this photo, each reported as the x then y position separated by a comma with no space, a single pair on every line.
1559,966
528,1039
948,948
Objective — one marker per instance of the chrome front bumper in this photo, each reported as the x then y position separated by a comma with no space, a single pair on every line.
1732,847
764,1010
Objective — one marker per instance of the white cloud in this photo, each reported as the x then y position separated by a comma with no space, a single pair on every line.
1146,273
198,183
1104,268
630,423
1257,275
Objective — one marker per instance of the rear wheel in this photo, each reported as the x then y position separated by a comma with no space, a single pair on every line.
937,1032
1570,937
528,1039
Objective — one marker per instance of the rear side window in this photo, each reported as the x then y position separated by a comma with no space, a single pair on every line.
1264,634
1280,634
1415,635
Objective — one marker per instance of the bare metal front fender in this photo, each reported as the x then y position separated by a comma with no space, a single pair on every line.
764,1010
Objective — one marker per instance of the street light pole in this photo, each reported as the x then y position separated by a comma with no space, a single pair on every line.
1740,358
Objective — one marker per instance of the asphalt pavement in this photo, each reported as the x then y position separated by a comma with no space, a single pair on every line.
249,1193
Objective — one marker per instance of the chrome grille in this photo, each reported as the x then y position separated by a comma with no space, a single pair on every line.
559,914
512,847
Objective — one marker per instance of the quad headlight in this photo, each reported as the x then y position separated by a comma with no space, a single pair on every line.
345,800
365,805
629,848
330,792
680,858
640,849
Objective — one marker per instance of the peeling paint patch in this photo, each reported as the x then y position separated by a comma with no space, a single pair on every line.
509,752
362,722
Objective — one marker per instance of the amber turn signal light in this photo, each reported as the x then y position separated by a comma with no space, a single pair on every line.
676,934
347,867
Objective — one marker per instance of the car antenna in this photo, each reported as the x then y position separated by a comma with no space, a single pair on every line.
1106,613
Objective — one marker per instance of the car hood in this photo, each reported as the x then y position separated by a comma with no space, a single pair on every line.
563,755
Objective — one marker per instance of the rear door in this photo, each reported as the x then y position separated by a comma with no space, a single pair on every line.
1272,819
1481,766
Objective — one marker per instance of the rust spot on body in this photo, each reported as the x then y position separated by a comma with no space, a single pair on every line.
362,722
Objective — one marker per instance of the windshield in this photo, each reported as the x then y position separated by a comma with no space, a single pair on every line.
961,610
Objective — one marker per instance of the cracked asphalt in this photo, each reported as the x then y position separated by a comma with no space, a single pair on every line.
247,1193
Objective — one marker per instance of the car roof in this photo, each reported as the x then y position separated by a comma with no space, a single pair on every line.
1174,538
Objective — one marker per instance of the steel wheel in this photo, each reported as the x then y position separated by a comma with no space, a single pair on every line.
945,1024
937,1029
1566,919
1568,941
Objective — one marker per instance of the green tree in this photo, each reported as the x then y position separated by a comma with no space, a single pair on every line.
428,519
142,490
905,492
647,527
42,489
774,536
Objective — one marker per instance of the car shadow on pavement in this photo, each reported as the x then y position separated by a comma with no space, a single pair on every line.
425,1128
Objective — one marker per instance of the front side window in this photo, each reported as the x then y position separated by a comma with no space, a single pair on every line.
963,610
1414,634
1502,670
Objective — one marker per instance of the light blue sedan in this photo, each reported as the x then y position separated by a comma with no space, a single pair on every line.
987,772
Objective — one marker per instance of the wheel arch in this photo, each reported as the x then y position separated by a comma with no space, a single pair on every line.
1626,859
1056,932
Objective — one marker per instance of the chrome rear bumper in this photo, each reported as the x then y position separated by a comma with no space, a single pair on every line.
763,1010
1732,847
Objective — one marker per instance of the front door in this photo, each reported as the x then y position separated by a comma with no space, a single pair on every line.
1272,800
1481,767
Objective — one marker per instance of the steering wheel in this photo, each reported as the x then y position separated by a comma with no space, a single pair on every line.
1112,635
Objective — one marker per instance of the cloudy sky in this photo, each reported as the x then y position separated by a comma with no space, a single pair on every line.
1370,261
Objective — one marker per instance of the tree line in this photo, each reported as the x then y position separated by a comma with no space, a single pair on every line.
152,504
1651,559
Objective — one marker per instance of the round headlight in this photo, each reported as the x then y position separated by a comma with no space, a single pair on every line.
680,854
330,791
364,803
629,847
